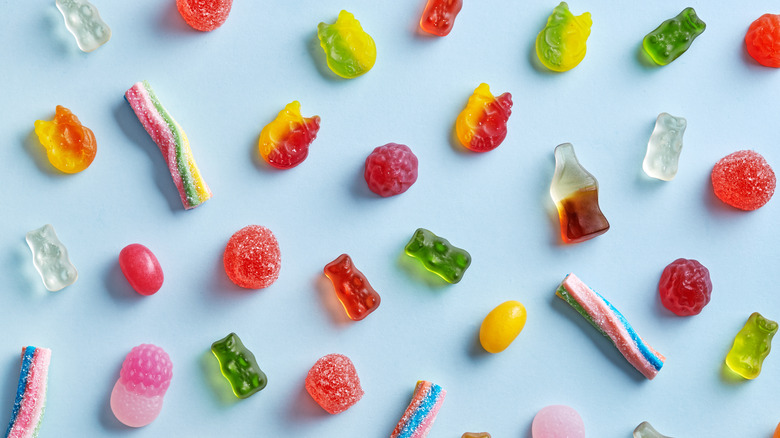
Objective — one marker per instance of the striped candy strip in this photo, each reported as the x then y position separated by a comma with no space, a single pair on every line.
612,324
418,418
30,394
173,144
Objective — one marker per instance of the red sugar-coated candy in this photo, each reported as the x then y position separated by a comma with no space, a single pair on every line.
204,15
743,180
141,269
762,40
252,258
391,169
685,287
334,384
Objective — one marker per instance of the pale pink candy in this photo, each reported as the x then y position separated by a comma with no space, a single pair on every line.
137,397
558,421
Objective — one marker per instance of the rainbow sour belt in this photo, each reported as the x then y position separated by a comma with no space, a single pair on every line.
418,417
30,394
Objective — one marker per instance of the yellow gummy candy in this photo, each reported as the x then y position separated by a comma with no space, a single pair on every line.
349,50
561,44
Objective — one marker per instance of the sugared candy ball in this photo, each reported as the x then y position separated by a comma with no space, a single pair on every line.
391,169
141,269
685,287
558,422
204,15
252,258
743,180
334,384
762,40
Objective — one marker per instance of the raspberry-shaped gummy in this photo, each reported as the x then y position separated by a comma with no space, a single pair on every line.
762,40
147,370
743,180
252,258
204,15
685,287
391,169
334,384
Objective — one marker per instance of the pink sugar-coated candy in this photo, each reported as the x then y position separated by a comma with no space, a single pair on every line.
204,15
743,180
141,269
334,384
558,421
137,397
252,258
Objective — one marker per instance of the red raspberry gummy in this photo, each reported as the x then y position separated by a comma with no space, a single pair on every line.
334,384
743,180
204,15
391,169
252,258
685,287
762,40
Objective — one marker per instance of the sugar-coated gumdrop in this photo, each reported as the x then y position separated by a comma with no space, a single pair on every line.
685,287
141,268
137,397
204,15
70,146
743,180
391,169
558,421
252,258
334,384
762,40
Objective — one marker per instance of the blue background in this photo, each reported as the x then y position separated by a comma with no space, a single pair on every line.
224,86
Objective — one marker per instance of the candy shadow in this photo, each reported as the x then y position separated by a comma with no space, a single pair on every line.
644,60
475,349
303,408
105,414
730,377
117,285
222,286
37,152
65,43
320,61
359,187
28,281
134,130
714,205
10,383
330,301
219,385
172,21
416,270
455,141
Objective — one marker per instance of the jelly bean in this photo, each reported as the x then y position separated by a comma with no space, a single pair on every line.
204,15
501,326
743,180
673,37
284,143
349,50
352,288
141,269
30,401
763,40
438,255
83,21
390,169
333,383
419,416
70,146
561,45
137,397
239,366
252,258
558,421
481,126
50,258
751,346
439,16
664,147
685,287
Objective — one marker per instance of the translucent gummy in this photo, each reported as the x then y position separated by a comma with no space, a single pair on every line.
664,147
83,20
645,430
50,258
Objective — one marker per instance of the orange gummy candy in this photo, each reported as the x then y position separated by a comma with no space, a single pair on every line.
70,146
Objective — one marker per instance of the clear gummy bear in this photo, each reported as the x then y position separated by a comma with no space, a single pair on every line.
664,147
83,20
50,258
137,397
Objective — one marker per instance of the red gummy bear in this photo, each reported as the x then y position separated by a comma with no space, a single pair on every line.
439,16
352,288
204,15
334,384
743,180
685,287
252,258
391,169
762,40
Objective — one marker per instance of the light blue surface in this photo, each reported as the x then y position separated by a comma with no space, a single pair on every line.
224,86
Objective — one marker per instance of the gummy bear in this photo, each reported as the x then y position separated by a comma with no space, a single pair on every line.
664,147
438,255
204,15
252,258
645,430
763,40
30,400
141,268
751,346
83,21
352,288
137,397
333,383
50,258
481,126
239,366
743,180
685,287
70,146
349,51
575,193
557,421
284,143
561,45
673,37
390,169
439,16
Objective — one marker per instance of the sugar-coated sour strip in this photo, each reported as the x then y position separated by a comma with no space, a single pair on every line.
418,417
172,142
612,324
30,394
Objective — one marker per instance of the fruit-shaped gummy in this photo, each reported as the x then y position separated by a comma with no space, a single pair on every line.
482,125
349,50
284,143
204,15
334,384
685,287
762,40
252,258
390,169
561,45
743,180
137,397
70,146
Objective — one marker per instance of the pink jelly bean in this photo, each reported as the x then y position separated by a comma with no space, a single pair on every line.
141,269
137,397
558,421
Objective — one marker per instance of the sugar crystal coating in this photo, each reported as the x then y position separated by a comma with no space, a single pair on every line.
204,15
685,287
252,258
391,169
558,421
743,180
334,384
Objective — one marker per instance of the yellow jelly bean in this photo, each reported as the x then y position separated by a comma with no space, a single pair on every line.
501,326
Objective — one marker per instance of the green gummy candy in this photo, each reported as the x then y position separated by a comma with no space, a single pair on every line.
673,37
438,255
239,366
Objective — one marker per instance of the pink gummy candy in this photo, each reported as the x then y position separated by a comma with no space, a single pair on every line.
334,384
137,397
558,421
391,169
743,180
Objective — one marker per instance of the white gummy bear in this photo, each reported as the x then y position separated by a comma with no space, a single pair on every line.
645,430
50,258
83,20
664,147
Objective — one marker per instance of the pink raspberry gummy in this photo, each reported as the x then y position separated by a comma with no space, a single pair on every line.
137,397
204,15
334,384
252,258
391,169
685,287
743,180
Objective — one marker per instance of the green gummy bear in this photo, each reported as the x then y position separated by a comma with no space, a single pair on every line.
751,346
673,37
438,255
239,366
